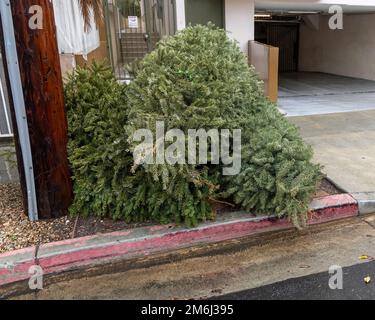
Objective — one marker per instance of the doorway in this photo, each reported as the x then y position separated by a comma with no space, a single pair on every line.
283,35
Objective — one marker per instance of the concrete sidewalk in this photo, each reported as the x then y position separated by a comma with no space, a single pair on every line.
344,143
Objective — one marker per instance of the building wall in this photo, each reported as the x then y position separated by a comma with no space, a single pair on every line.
100,54
347,52
239,21
180,15
69,61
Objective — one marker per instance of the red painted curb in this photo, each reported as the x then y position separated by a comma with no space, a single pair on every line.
72,254
332,208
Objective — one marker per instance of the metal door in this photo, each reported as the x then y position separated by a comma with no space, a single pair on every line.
285,36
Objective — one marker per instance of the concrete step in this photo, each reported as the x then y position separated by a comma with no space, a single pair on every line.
142,38
136,48
134,45
127,52
138,40
124,41
135,53
135,56
134,35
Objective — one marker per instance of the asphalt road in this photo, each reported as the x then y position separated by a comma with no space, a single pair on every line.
316,287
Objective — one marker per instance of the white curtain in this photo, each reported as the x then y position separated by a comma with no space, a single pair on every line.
71,34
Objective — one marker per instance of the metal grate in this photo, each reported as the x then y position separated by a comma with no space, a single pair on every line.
135,45
128,45
5,121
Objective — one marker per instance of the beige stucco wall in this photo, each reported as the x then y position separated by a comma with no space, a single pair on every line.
348,52
68,64
100,54
239,21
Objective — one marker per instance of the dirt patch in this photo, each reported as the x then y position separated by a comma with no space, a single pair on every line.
326,188
17,232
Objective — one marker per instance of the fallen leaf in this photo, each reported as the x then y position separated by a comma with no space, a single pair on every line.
367,279
366,257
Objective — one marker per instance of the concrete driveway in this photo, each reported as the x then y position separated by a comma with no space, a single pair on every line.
309,93
344,143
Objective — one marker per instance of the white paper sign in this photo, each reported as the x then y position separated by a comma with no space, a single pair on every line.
133,22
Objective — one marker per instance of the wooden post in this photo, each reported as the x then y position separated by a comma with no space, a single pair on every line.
42,83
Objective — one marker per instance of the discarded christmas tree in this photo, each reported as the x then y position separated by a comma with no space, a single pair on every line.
198,79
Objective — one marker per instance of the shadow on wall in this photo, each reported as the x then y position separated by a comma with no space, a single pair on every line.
8,163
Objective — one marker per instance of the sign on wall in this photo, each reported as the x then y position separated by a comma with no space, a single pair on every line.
133,22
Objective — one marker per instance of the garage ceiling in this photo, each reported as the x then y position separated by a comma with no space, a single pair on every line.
306,6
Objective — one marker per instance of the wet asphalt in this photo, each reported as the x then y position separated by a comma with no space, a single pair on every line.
316,287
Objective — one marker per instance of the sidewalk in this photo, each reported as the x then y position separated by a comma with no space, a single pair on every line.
344,144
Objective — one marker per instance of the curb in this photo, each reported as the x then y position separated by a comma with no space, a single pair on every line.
93,250
365,201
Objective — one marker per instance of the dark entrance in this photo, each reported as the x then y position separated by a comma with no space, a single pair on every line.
204,11
285,36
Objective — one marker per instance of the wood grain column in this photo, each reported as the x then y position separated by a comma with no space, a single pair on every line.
42,83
